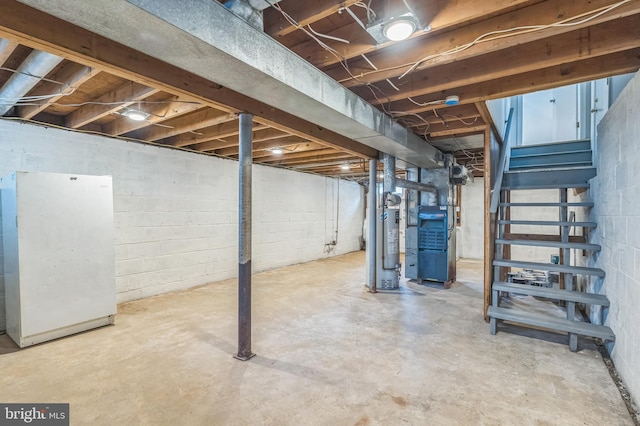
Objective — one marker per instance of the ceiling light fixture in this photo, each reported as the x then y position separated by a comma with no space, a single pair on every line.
452,100
399,29
395,28
277,151
346,167
135,114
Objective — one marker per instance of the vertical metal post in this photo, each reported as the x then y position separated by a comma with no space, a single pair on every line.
244,238
372,219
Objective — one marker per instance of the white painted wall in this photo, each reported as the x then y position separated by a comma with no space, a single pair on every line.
176,212
616,194
470,235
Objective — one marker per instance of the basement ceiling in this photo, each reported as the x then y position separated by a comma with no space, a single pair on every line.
473,50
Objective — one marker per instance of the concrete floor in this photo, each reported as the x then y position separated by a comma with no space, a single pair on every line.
329,353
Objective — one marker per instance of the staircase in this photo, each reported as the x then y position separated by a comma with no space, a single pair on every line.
560,166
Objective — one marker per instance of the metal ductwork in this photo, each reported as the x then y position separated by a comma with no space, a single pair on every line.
204,38
249,10
37,65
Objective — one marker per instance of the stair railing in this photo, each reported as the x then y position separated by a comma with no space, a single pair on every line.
502,165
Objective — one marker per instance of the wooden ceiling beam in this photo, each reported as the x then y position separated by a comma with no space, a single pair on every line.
175,106
582,44
462,131
264,134
79,45
109,103
71,76
546,78
327,163
219,131
301,147
434,46
264,145
452,15
313,159
200,119
7,48
440,127
298,155
232,141
303,12
488,119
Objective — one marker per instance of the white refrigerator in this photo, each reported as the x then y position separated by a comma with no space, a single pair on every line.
58,254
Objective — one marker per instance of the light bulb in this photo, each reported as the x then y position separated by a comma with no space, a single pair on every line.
398,30
277,151
136,115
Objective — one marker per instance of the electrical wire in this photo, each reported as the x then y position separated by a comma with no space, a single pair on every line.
341,59
499,34
461,120
42,78
518,31
327,36
80,104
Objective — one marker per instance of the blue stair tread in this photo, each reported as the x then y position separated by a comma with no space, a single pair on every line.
553,293
552,323
579,270
547,223
532,204
544,186
553,244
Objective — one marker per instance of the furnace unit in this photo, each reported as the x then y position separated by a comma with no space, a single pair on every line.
436,248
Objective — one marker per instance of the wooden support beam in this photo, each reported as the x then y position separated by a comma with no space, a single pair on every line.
564,74
262,145
316,158
219,131
592,42
71,75
483,110
231,143
109,103
435,45
452,15
7,47
489,225
452,127
288,149
175,106
468,130
298,155
303,12
79,45
197,120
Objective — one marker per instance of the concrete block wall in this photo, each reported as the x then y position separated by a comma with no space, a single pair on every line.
176,212
616,193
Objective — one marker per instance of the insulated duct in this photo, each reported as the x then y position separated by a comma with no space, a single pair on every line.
37,65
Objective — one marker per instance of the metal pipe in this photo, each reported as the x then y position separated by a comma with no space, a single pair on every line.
244,238
36,66
422,187
372,223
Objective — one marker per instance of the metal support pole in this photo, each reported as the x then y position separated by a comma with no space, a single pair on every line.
244,238
371,218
